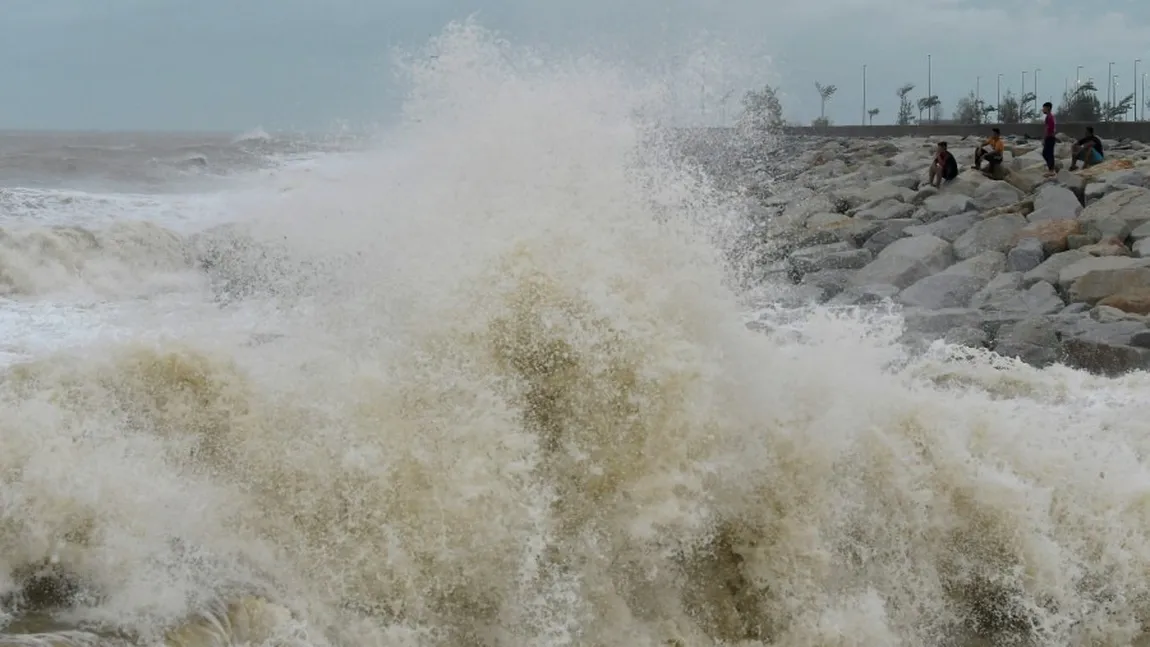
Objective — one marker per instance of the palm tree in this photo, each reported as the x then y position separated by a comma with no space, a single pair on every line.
825,93
871,113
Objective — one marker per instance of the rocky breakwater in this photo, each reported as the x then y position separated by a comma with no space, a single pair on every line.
1047,270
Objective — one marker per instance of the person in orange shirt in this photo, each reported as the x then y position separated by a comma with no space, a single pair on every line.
990,150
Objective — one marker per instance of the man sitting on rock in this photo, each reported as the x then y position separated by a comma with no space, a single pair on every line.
1087,150
944,167
990,150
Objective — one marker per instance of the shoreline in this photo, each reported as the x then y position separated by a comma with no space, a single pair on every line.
1045,270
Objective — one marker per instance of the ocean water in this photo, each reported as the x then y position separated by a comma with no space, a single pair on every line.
488,382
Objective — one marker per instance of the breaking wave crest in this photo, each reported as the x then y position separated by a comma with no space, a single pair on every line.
516,404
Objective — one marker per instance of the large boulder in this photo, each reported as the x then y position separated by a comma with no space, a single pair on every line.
886,210
996,194
1052,267
995,234
835,256
1033,340
1119,213
1054,202
948,229
905,261
1052,234
942,205
954,286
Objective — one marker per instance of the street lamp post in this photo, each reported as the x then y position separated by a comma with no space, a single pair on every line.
998,98
1077,77
1135,77
1022,97
1110,85
929,92
864,96
1143,95
978,98
1114,84
1036,71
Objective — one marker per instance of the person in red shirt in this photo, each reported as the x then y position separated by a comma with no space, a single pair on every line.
1049,141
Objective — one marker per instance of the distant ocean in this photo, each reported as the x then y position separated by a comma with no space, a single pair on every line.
487,382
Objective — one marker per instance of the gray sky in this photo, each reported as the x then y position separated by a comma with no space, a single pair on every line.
238,64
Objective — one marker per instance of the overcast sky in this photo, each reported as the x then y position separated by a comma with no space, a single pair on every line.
237,64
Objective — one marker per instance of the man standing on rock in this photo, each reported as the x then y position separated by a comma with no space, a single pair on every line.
1087,150
990,150
1049,141
944,167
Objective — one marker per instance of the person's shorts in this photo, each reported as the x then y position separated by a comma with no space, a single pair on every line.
994,157
1095,156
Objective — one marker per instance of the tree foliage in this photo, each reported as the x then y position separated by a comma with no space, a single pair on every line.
1008,111
1080,105
930,106
872,113
825,94
1118,110
905,107
762,114
968,110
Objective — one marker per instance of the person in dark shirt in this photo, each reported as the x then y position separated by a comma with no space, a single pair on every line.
1048,141
1087,150
944,166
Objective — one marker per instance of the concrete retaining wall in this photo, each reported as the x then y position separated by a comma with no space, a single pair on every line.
1136,130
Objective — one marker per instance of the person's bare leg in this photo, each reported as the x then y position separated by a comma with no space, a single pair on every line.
935,176
1075,152
978,154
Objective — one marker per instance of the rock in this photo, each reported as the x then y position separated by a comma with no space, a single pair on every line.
1103,348
954,286
1003,305
1096,191
993,234
1025,256
996,194
967,336
865,295
1106,247
1140,232
1141,249
836,256
948,229
907,260
1075,271
828,283
947,204
1091,284
1119,213
936,323
1053,202
1073,182
1034,341
923,193
1106,314
894,230
1051,233
1078,241
1124,177
1052,267
823,219
886,210
1023,181
854,231
883,191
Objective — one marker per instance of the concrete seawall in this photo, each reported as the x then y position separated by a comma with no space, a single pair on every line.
1136,130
